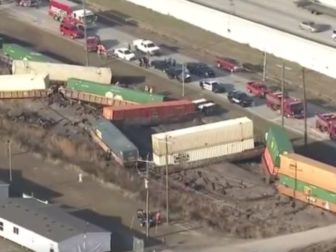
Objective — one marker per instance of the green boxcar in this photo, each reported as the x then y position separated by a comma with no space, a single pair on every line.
278,142
310,190
17,52
113,91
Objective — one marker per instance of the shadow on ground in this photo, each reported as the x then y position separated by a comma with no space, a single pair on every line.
20,185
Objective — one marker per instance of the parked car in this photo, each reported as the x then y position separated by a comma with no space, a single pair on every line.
200,69
212,86
124,53
228,64
240,98
179,73
71,30
146,46
333,35
163,65
309,26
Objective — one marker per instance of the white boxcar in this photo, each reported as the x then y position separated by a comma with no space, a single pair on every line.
23,82
62,72
204,153
203,136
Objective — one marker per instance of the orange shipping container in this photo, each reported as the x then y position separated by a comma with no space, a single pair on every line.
272,170
309,171
151,113
306,198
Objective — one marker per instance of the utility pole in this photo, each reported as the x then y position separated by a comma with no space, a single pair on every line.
9,146
183,69
85,35
283,93
167,183
147,197
264,67
305,105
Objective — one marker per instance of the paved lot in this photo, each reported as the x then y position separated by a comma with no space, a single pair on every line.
281,14
116,38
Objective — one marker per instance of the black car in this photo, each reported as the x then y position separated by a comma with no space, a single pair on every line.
163,65
179,73
240,98
200,69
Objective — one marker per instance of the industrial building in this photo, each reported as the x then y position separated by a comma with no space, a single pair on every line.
45,228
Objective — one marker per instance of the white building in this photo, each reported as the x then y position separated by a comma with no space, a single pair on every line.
44,228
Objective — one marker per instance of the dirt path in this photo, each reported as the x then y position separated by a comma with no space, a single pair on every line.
283,243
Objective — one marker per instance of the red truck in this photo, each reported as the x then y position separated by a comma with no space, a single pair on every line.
293,107
326,122
228,64
59,9
68,28
257,88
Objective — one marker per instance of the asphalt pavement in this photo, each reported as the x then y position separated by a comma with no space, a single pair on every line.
114,38
280,14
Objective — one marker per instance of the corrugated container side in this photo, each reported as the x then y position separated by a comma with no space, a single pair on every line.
269,162
203,136
205,153
17,52
62,72
307,189
119,144
278,143
307,199
309,171
114,92
24,82
150,112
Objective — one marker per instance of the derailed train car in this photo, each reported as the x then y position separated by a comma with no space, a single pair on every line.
62,72
151,113
203,142
119,146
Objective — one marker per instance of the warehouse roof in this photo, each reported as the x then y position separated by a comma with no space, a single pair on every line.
43,219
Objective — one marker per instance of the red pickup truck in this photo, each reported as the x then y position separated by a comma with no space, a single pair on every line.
257,88
69,28
326,122
293,107
228,64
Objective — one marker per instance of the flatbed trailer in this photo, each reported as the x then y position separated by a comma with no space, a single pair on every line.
24,94
91,98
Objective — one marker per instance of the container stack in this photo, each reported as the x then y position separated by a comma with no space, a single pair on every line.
203,142
277,143
307,180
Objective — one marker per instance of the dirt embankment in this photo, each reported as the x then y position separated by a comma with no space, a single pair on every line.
224,197
328,246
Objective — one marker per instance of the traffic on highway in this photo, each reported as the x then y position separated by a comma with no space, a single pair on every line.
280,14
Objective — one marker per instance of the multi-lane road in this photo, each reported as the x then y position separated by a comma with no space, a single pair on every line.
280,14
116,38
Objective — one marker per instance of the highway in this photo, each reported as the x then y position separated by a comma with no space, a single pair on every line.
116,38
280,14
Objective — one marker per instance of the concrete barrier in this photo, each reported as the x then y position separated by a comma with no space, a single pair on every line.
309,54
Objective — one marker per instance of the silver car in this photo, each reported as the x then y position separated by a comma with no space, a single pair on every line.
309,26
